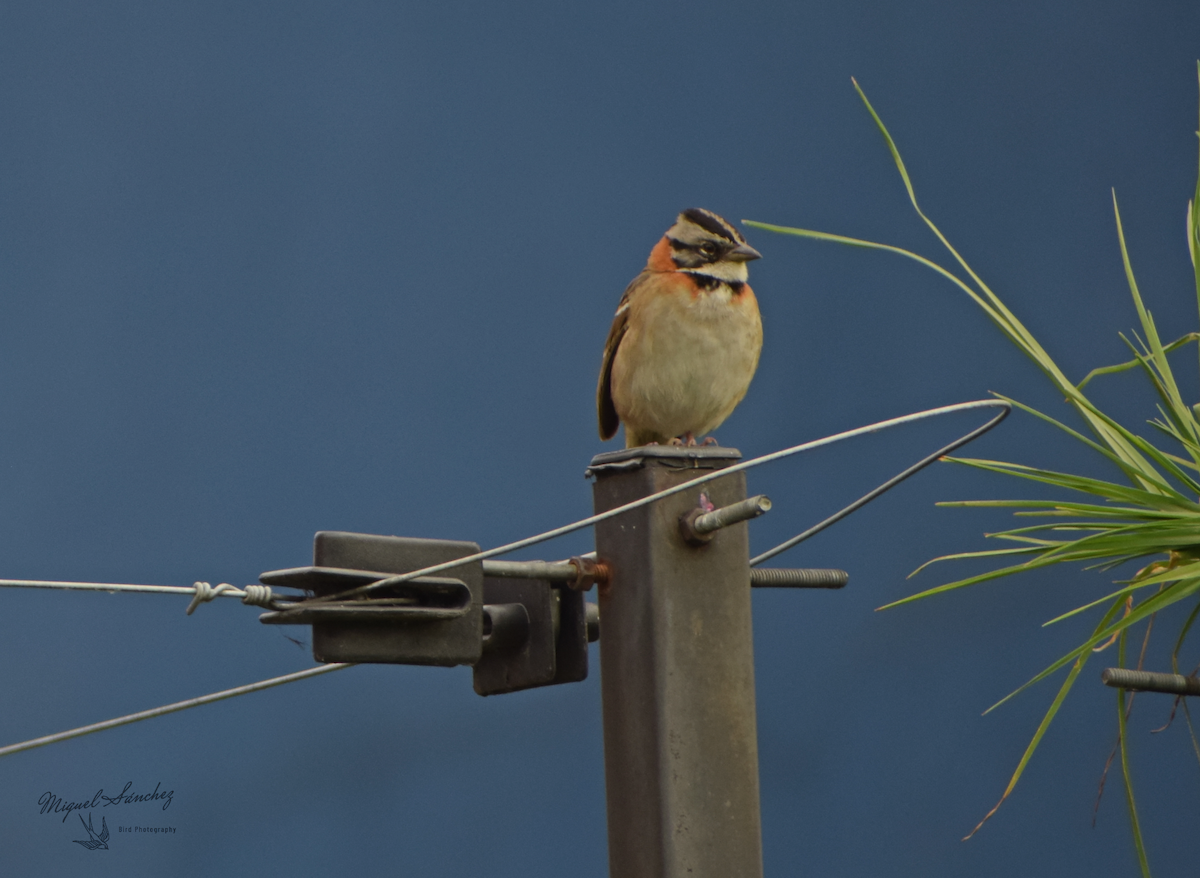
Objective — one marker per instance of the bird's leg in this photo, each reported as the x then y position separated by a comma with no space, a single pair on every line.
689,438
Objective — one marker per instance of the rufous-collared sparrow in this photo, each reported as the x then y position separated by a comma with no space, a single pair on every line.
686,338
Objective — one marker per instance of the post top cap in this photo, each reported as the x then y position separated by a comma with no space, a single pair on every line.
676,456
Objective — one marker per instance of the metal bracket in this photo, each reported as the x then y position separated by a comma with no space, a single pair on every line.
429,621
554,648
518,632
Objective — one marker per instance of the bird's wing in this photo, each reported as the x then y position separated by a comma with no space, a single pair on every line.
605,410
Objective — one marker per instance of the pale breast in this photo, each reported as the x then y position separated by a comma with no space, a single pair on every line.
686,360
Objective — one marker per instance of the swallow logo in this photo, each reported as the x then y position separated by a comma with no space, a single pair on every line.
94,842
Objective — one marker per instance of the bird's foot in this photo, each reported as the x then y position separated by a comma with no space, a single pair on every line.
710,440
677,441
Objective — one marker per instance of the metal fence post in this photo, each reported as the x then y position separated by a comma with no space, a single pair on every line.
677,674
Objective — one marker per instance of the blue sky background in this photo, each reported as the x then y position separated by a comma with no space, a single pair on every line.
271,269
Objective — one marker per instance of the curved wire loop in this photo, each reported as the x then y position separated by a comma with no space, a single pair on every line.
261,595
886,486
686,486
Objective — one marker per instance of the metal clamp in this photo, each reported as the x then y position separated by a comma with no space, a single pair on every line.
534,634
432,620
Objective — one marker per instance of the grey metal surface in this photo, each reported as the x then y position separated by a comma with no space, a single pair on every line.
580,572
351,614
802,577
505,626
555,648
321,578
440,641
528,662
551,571
592,619
421,600
571,648
677,675
699,524
743,510
1148,681
665,455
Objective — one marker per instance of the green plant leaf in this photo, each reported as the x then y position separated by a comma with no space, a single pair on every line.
1048,718
1155,515
1123,740
1148,607
1122,367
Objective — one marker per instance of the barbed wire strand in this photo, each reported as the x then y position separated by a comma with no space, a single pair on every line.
172,708
203,592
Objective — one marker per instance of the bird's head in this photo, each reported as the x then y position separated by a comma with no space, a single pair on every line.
703,242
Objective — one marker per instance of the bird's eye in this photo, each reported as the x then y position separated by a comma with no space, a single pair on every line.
708,248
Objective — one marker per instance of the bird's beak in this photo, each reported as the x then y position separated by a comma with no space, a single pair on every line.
743,253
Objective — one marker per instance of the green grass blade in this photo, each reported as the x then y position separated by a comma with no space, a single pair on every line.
1124,367
1032,564
1132,472
1187,716
1183,632
869,245
1155,514
1178,418
1001,315
1068,508
1123,739
1048,718
1171,594
1083,484
1127,590
1022,534
993,307
1119,594
1159,357
1169,574
988,553
1194,223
